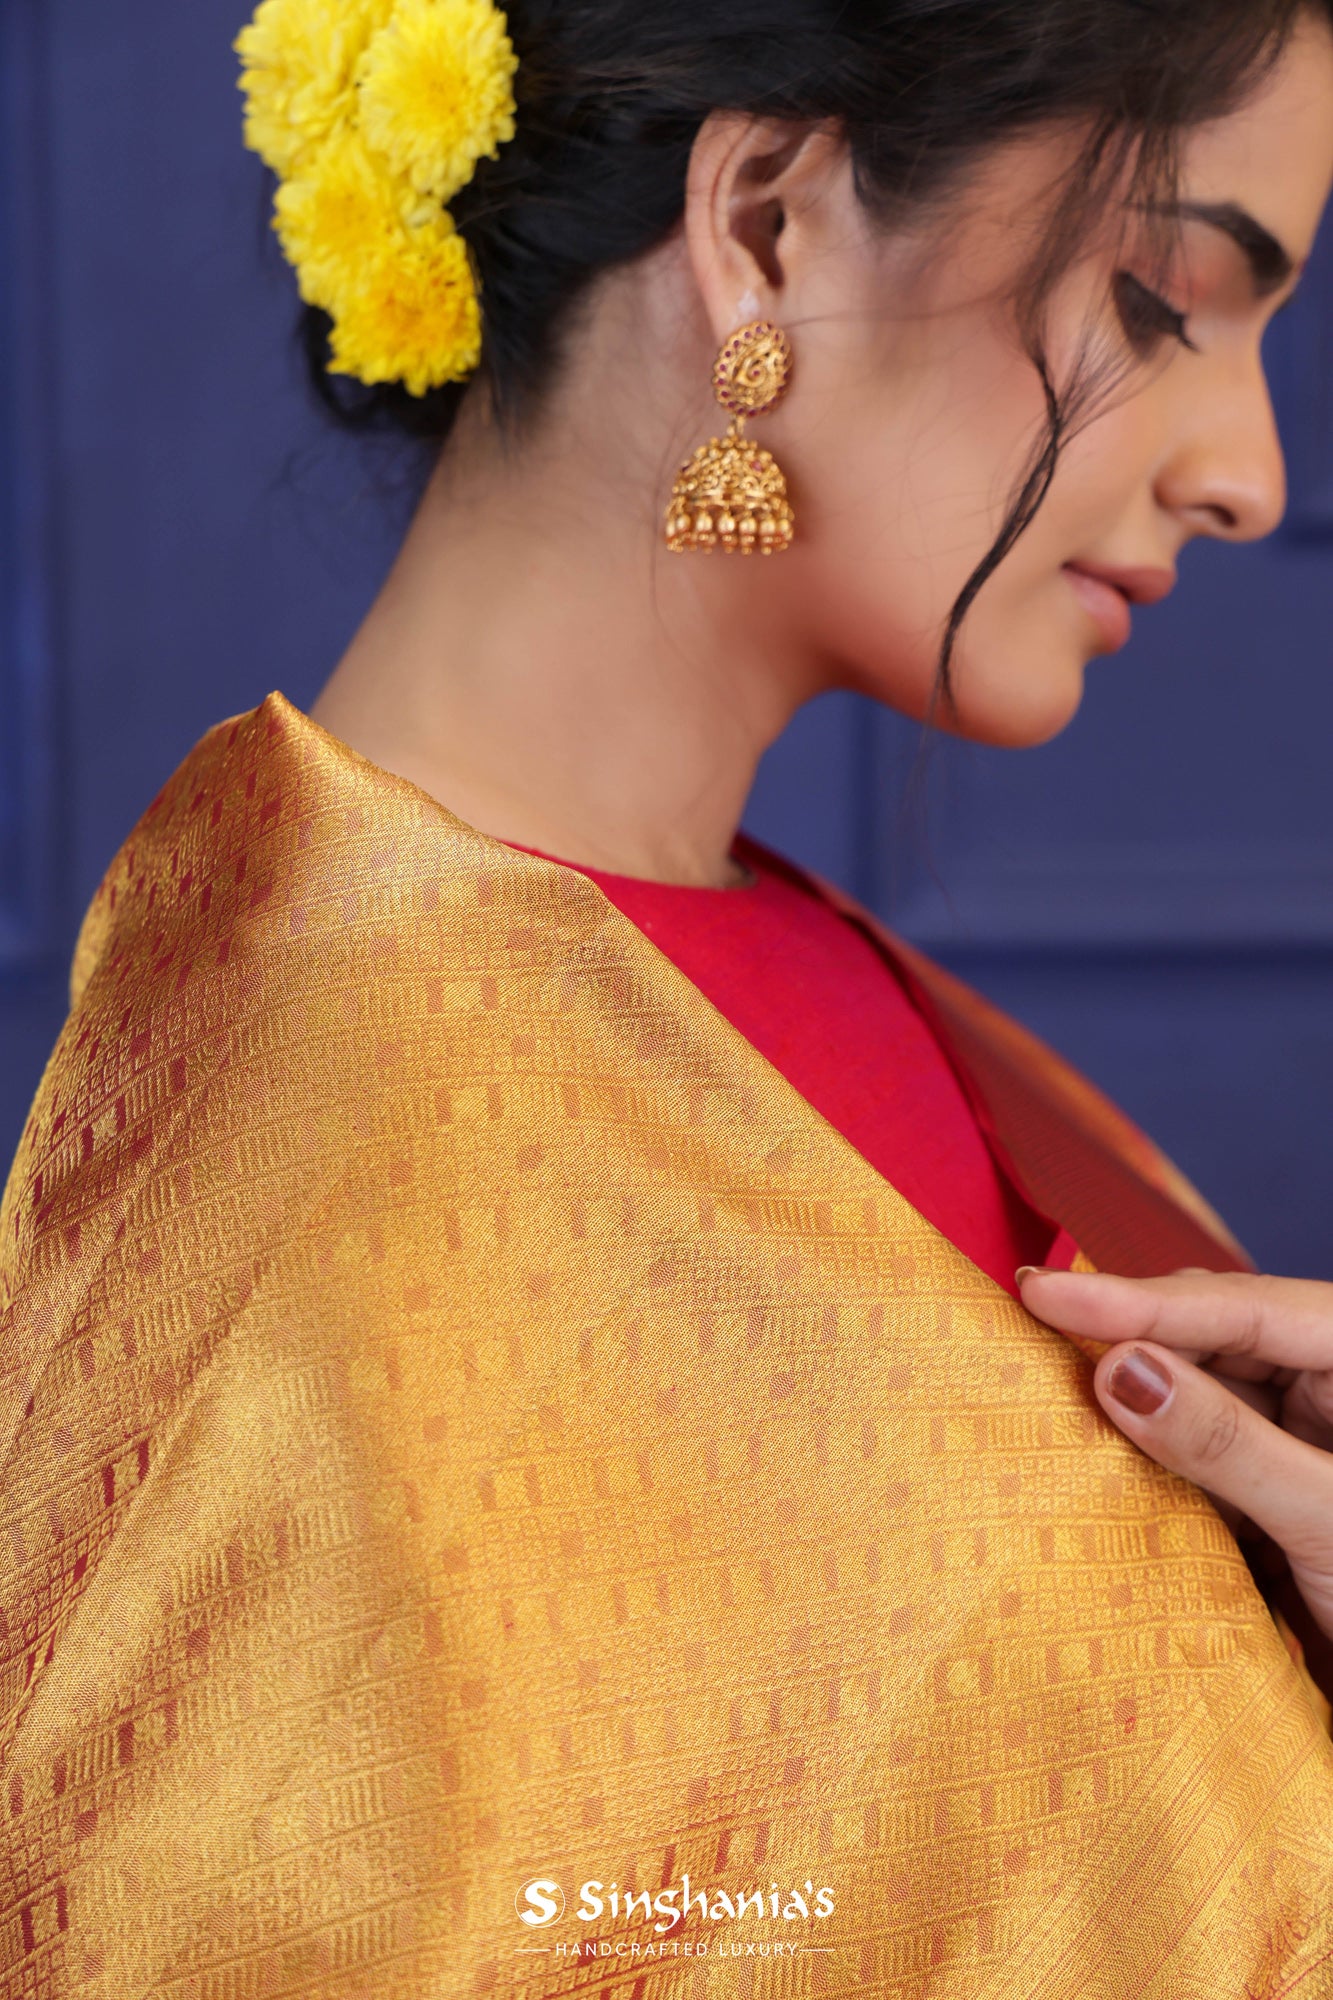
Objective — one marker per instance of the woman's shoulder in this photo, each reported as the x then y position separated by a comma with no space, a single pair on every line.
270,828
276,860
153,877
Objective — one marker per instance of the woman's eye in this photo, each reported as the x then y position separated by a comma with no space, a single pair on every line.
1147,317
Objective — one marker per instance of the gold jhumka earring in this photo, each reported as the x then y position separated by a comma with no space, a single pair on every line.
732,495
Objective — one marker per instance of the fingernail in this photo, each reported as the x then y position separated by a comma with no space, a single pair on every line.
1032,1271
1141,1384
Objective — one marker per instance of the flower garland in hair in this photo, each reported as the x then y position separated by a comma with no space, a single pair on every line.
373,114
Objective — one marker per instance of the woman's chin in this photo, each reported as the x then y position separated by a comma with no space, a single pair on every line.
1006,693
1021,709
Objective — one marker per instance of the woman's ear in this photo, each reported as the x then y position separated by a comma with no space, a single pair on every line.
763,195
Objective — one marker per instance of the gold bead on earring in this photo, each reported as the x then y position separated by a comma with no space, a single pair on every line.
732,495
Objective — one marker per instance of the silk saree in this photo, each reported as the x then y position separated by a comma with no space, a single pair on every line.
486,1466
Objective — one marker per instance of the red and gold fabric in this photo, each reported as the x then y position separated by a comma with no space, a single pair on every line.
466,1419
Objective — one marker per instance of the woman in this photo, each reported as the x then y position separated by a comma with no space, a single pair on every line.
528,1466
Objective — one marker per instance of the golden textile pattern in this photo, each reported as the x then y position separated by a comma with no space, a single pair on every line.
466,1418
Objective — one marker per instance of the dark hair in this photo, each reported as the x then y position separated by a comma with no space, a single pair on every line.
612,94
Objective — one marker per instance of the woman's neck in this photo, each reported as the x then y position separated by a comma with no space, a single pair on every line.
538,663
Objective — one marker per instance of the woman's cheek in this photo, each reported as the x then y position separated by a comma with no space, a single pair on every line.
893,548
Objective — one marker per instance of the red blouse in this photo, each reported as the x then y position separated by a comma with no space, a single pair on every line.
816,997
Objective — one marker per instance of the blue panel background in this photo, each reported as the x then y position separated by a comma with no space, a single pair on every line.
179,534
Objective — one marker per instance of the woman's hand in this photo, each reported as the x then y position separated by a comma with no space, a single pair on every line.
1227,1380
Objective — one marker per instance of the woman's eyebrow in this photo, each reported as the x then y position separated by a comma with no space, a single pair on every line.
1270,262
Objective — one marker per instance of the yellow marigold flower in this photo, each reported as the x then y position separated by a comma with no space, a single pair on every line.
299,60
373,114
437,91
339,213
412,315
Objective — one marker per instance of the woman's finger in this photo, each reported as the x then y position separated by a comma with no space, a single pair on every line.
1307,1410
1279,1322
1193,1424
1267,1401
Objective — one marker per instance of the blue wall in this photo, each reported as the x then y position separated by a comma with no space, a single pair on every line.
179,535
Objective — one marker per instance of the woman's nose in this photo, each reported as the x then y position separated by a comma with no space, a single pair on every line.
1227,477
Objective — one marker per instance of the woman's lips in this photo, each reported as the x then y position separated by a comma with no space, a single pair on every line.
1108,593
1107,606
